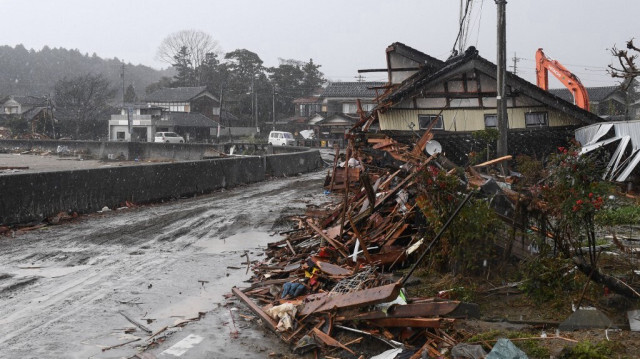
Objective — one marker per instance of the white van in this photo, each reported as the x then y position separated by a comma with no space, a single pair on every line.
279,138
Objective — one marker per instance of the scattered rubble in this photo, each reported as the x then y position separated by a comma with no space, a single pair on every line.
335,274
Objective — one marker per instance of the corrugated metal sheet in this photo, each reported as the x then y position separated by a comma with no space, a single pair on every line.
589,137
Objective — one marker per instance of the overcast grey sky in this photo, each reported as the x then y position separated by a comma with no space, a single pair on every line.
341,35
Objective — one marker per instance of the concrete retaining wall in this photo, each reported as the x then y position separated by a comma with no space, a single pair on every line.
288,164
29,197
126,150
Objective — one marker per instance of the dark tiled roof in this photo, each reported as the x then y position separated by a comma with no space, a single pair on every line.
33,112
359,90
178,94
228,118
188,119
596,94
27,100
468,60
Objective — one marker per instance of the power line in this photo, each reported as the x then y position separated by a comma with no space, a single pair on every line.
566,63
462,25
515,59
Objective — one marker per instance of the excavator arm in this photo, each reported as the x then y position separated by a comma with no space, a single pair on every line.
571,81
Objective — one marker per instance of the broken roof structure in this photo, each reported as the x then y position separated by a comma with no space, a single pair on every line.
625,158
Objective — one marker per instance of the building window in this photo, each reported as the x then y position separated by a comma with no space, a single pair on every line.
491,121
368,106
349,108
425,121
120,135
536,119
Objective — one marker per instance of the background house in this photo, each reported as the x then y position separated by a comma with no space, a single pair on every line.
333,110
192,112
608,102
36,112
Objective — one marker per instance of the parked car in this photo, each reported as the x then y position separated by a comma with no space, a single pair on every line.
280,138
168,137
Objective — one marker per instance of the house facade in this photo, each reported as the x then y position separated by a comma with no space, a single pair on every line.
192,112
459,95
333,110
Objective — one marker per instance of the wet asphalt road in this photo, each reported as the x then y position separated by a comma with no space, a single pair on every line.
62,288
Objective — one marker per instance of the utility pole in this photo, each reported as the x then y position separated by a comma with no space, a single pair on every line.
515,59
220,113
501,100
359,78
122,77
273,114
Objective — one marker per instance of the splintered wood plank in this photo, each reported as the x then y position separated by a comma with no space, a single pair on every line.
271,324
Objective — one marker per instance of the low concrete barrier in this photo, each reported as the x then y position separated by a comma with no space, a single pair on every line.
292,163
28,197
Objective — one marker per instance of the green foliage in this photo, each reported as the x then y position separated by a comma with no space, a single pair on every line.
469,240
588,350
486,141
531,169
164,82
17,125
489,135
294,79
547,278
130,95
186,75
35,72
629,214
573,192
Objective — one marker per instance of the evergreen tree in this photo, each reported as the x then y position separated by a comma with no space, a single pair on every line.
130,95
313,78
185,75
246,81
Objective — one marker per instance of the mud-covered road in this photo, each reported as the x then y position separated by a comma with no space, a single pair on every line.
62,288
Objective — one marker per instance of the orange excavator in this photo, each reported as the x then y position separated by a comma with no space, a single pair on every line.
571,81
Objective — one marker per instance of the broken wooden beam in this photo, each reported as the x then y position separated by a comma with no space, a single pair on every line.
433,309
266,319
411,322
322,301
328,340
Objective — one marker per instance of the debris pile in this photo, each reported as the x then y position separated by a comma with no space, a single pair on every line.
332,274
334,277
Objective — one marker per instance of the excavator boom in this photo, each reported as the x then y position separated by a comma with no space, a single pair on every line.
544,65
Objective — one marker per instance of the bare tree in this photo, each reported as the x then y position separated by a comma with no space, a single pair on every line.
197,43
627,67
82,105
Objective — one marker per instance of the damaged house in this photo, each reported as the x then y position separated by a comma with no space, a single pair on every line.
458,96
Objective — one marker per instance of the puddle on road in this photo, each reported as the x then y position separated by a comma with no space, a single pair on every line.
237,242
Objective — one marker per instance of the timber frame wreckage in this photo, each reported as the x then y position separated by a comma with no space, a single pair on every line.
332,273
